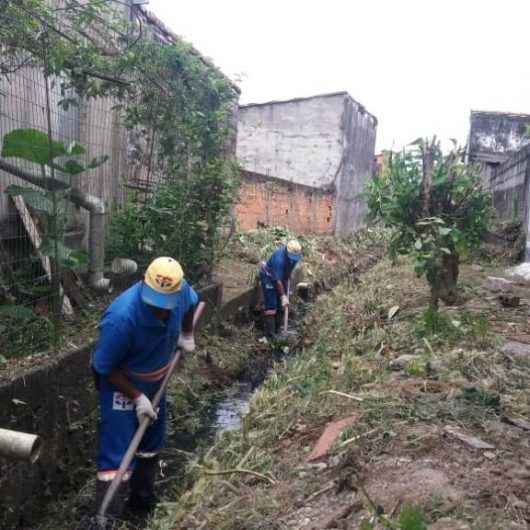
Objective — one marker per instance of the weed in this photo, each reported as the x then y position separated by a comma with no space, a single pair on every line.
416,368
479,329
482,397
22,331
412,518
434,323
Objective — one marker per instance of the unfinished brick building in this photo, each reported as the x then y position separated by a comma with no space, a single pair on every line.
305,163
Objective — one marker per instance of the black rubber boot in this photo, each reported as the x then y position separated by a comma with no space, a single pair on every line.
269,326
142,494
115,510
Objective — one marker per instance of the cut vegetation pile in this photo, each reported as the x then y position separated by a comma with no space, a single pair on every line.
423,414
227,353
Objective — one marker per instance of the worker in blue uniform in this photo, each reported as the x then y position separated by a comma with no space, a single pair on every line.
274,275
138,334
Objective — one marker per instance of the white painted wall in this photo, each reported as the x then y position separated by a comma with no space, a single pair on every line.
299,141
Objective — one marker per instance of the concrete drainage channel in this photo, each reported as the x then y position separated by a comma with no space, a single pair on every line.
224,411
57,492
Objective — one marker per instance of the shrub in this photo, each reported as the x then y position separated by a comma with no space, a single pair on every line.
436,208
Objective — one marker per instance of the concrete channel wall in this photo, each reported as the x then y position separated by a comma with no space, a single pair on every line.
55,400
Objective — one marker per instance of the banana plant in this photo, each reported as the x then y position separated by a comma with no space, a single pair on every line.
36,147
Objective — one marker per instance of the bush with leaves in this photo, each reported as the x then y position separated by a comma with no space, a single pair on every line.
437,209
183,218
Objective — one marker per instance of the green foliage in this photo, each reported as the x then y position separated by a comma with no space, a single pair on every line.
483,397
35,146
435,323
182,218
16,311
412,518
32,145
435,206
416,368
67,257
166,93
258,244
22,331
36,199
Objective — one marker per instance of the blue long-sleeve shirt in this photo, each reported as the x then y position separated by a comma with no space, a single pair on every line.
280,266
133,339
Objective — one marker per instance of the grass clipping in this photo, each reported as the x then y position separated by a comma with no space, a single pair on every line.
371,349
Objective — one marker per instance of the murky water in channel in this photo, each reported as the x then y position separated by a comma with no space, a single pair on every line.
232,408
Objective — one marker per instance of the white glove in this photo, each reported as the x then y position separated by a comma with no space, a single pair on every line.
186,342
144,408
285,300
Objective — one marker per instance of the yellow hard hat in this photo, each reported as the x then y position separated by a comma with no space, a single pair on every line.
294,250
162,282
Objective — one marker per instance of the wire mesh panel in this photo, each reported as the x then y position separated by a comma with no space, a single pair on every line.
25,273
150,124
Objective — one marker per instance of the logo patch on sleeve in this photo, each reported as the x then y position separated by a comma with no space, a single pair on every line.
121,402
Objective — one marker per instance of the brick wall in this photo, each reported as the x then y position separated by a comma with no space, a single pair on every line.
271,201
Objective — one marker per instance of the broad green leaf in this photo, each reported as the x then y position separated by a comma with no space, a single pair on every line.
78,258
97,161
36,199
418,244
66,256
462,248
444,231
16,311
445,251
31,145
71,167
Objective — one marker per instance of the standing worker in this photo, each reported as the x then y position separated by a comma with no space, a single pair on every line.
274,277
139,333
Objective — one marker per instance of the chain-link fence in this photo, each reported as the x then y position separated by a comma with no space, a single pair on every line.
25,272
105,93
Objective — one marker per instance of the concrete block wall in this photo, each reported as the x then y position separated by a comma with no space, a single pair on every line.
359,133
266,201
509,186
494,137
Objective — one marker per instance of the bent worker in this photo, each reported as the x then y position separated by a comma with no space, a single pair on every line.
138,335
274,276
